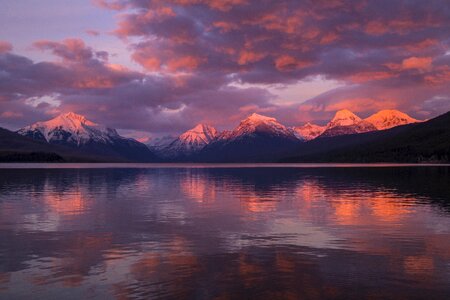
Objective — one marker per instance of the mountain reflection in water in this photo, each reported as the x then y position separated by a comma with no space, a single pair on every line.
225,233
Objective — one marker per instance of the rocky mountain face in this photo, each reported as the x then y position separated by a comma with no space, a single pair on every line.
308,131
73,130
159,143
189,142
258,124
345,122
257,138
69,128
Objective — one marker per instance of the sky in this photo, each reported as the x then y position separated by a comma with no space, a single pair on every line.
157,67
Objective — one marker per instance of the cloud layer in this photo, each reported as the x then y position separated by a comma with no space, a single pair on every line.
192,52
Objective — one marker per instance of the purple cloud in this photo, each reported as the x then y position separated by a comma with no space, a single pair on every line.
192,52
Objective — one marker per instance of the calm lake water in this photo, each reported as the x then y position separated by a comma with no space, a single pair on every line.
235,232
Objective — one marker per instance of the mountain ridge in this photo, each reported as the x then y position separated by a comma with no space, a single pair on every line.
308,131
189,142
74,130
17,148
389,118
257,138
346,122
427,141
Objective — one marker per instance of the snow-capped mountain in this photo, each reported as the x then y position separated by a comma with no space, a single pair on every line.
197,137
257,138
389,118
76,131
258,124
345,122
344,117
161,142
190,141
308,131
69,128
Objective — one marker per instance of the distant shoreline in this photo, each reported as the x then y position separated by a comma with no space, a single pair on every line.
210,165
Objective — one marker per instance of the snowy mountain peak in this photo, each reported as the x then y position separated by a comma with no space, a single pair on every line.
74,130
389,118
257,118
308,131
74,116
201,133
344,117
256,123
69,120
161,142
345,122
190,141
309,125
71,128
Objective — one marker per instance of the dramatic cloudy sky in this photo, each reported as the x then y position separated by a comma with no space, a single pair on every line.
152,67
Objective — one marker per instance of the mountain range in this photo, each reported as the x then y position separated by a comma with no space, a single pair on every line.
427,141
267,135
258,138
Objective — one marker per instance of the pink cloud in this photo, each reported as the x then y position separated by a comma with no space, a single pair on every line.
5,47
286,63
225,26
420,63
362,104
440,76
248,56
223,5
11,115
371,76
183,63
70,50
192,52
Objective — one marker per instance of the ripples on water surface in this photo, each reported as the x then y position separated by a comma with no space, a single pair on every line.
225,233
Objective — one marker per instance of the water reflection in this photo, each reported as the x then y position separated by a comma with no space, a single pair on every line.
266,233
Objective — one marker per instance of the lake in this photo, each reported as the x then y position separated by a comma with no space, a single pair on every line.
224,231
